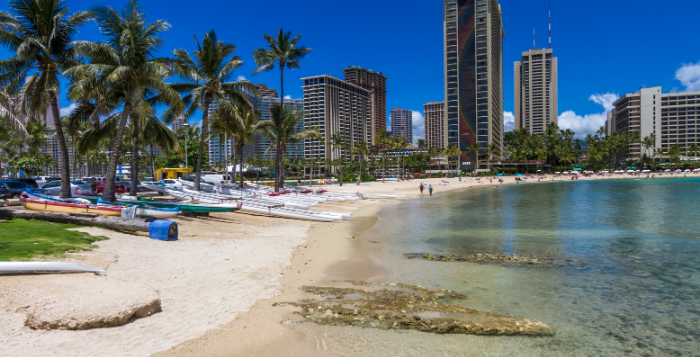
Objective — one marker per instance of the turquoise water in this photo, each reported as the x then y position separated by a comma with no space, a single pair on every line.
632,286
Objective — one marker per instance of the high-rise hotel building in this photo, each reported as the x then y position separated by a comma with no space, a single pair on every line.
434,116
402,123
536,97
474,75
335,106
266,147
674,118
375,83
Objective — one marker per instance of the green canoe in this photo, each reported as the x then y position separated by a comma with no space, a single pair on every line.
190,207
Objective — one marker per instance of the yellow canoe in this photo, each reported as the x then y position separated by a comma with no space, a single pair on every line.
61,207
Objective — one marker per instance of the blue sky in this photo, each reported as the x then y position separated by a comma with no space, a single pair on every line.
605,48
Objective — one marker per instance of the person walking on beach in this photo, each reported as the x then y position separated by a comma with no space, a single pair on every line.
93,185
430,189
421,189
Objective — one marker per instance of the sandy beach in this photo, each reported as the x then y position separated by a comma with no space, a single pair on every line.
219,282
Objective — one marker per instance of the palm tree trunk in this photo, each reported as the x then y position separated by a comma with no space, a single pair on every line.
311,180
359,179
108,194
75,161
62,150
153,162
203,136
340,161
134,160
225,159
278,154
240,176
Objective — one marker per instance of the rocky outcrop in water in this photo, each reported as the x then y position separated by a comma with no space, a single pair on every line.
492,258
407,307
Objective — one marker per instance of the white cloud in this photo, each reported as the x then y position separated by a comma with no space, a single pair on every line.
418,122
606,100
589,123
508,121
287,97
689,76
241,79
69,109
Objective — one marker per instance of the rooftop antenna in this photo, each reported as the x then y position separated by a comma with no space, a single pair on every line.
550,25
533,36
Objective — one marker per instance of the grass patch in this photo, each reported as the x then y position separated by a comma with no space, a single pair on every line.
22,239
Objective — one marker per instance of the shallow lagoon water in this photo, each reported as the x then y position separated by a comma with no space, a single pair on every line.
632,286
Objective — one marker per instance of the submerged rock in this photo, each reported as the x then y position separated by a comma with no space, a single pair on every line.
493,258
400,306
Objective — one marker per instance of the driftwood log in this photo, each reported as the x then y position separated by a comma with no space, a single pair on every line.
132,225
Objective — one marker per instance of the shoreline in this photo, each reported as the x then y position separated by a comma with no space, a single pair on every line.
333,253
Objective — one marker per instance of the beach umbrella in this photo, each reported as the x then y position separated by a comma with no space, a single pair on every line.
687,170
667,170
519,175
499,175
558,173
578,170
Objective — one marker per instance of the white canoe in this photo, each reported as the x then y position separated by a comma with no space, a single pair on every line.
45,267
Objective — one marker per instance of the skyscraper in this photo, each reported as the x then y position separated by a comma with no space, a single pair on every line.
434,115
375,83
402,123
335,106
536,97
473,75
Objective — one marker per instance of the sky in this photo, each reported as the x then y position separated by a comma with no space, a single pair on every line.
605,48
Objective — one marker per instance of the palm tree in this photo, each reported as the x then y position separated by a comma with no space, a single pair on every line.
401,143
422,144
207,76
240,122
9,114
338,143
451,151
493,149
41,36
123,71
693,149
433,152
383,139
284,52
282,129
316,136
362,150
474,148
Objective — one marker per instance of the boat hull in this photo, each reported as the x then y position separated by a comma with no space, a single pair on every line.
183,207
60,207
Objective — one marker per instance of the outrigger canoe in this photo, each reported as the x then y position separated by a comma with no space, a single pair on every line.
184,206
63,207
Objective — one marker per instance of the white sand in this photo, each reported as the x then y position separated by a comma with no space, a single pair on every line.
200,289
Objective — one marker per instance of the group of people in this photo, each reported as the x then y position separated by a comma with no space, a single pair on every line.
422,187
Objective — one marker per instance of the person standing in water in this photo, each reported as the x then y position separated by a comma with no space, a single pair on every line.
421,189
430,189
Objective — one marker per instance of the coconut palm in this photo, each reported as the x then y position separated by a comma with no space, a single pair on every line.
422,144
9,114
285,132
284,52
383,139
337,142
452,151
207,73
493,149
361,150
124,72
475,148
315,136
239,122
40,33
401,143
693,149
